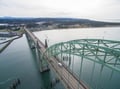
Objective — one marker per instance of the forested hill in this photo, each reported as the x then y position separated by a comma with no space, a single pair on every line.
61,21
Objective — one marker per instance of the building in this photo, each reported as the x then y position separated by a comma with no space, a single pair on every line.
7,34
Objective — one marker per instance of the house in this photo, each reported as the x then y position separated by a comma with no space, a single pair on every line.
7,34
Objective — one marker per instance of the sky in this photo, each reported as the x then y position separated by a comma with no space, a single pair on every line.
103,10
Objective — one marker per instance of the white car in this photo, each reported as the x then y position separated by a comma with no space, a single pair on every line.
60,64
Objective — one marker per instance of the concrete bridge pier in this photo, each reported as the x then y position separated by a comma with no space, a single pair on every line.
42,63
31,42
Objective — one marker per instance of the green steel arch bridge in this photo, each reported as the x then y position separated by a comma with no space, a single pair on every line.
105,52
100,51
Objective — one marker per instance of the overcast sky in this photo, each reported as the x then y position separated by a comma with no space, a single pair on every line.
104,10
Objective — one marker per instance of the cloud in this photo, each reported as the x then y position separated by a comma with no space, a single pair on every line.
96,9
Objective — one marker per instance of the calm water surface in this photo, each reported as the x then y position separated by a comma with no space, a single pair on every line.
18,61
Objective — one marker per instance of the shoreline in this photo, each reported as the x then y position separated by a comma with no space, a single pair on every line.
35,29
9,42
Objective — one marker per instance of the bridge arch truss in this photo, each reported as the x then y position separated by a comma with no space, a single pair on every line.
105,52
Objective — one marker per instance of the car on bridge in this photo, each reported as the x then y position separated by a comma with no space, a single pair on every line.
60,64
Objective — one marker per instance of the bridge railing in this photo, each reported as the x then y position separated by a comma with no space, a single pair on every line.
105,52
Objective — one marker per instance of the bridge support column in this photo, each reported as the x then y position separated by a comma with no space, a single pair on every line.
33,43
43,65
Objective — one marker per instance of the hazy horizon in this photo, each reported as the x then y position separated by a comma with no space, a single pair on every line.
102,10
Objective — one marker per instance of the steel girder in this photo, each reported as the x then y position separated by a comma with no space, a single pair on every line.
105,52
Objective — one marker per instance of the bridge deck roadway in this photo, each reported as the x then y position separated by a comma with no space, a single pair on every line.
67,78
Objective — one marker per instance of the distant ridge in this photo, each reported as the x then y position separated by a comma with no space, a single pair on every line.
64,21
42,18
31,19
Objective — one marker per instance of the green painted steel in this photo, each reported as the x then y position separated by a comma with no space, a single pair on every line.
105,52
